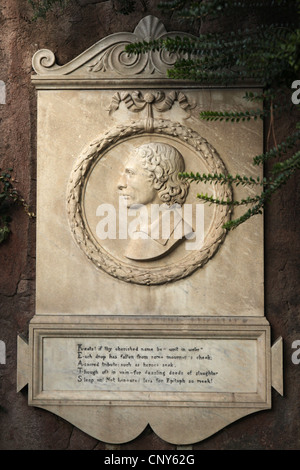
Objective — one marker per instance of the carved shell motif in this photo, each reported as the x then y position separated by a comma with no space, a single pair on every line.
116,59
107,58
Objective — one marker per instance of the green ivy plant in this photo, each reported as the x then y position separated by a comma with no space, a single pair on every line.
9,196
267,54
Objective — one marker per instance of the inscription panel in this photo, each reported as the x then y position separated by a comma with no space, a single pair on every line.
149,364
148,368
116,362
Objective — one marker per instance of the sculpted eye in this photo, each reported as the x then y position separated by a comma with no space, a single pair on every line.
128,171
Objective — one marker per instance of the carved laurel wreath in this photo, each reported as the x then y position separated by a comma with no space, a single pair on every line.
97,254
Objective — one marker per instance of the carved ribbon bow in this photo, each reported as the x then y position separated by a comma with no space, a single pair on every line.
136,102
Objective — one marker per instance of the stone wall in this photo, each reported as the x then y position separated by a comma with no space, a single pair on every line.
23,427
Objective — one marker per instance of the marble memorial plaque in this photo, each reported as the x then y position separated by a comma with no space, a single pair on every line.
153,365
146,308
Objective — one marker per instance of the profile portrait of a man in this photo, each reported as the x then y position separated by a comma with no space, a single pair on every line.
151,180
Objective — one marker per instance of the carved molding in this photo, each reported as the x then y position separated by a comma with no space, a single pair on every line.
107,58
135,101
167,417
97,254
158,100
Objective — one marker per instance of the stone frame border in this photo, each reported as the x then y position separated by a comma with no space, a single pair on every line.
107,329
91,414
98,255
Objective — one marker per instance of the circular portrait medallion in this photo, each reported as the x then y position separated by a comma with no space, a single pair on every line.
130,212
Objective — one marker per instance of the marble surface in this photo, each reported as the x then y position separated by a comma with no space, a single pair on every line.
153,365
230,283
178,341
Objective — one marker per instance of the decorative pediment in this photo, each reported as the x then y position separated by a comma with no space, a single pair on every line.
107,58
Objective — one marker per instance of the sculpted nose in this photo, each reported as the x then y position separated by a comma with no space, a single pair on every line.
122,183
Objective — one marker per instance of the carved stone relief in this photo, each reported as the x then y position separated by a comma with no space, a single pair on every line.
136,324
108,56
165,137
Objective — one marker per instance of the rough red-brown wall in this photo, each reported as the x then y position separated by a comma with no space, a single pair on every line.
23,427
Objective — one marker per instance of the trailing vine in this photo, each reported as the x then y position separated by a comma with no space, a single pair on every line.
265,54
9,196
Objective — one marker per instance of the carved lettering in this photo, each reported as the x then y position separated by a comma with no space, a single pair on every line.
162,371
